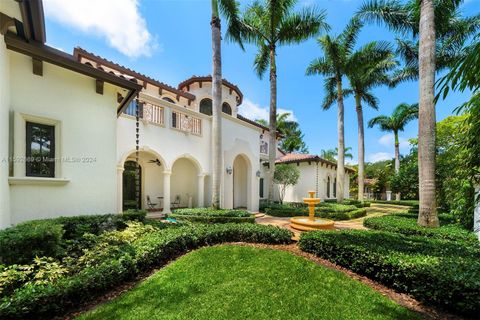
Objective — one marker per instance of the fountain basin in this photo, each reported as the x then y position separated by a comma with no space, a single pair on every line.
306,224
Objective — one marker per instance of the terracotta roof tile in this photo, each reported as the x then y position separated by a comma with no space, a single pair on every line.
208,78
300,157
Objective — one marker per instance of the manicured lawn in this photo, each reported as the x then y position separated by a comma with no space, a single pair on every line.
234,282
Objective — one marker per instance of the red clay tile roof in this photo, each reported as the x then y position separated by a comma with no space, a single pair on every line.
79,52
300,157
208,78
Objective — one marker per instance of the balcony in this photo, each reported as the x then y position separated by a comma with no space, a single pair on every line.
186,123
148,112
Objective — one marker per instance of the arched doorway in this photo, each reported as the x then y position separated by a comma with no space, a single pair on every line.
130,200
240,182
184,183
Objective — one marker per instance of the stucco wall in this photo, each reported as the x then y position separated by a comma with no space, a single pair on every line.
314,177
85,141
5,218
206,92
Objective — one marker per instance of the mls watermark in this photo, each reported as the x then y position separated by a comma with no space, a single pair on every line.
79,159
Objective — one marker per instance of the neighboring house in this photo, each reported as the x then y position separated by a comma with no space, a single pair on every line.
316,174
68,133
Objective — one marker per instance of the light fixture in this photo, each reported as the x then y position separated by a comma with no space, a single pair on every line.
258,173
229,170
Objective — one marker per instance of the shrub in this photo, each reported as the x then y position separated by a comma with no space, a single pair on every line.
441,272
149,251
206,215
323,210
407,224
22,243
408,203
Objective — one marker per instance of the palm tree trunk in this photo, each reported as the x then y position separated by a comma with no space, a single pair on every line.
272,146
216,106
397,160
361,148
341,143
426,132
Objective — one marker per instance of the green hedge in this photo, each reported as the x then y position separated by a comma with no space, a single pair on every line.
207,215
22,243
407,224
150,251
336,212
408,203
441,272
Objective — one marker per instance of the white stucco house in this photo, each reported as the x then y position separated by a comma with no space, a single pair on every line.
316,174
68,134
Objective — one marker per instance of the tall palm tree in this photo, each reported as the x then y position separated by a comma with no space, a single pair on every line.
333,66
437,29
230,10
367,69
269,24
402,114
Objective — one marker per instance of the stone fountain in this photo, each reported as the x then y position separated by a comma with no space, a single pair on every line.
310,222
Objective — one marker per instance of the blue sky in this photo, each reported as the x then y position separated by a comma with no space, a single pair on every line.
170,40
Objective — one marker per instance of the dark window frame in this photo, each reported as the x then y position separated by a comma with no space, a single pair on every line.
204,104
261,191
225,110
28,150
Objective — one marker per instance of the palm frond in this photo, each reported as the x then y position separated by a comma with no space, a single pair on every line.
299,26
319,66
262,61
383,122
393,13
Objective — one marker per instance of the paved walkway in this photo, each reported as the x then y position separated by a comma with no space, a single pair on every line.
374,211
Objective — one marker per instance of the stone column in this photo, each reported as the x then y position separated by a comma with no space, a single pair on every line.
166,191
120,170
201,190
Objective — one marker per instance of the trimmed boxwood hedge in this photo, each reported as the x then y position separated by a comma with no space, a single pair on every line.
407,224
408,203
442,272
207,215
153,250
23,242
339,212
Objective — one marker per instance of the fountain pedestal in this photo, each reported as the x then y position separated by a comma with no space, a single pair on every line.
310,222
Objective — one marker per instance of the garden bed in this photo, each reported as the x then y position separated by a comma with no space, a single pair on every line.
91,264
207,215
442,272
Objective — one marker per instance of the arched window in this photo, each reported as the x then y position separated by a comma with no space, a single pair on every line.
328,187
226,108
206,106
335,188
168,99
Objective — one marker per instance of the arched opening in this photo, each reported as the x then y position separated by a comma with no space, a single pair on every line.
226,108
130,200
328,187
150,182
206,106
168,99
240,182
184,184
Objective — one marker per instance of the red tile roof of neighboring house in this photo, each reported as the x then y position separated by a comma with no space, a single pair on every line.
300,157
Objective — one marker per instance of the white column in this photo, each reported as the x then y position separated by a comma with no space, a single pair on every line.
120,170
166,191
201,190
5,215
389,195
476,214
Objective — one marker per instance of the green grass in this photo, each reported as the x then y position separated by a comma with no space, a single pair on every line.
234,282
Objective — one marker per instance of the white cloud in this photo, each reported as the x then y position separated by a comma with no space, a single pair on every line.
118,21
388,140
254,111
379,156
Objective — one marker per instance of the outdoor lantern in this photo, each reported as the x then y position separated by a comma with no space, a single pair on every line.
229,170
258,173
